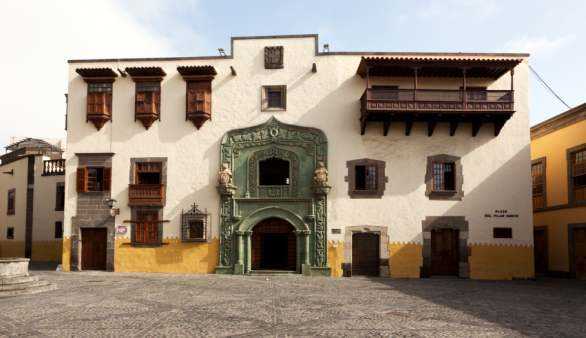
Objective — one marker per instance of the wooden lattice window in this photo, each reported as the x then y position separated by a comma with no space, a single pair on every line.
146,227
11,202
538,184
366,178
199,97
578,175
274,57
444,177
194,223
148,97
148,173
99,98
93,179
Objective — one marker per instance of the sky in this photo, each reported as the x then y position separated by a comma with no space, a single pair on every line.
39,36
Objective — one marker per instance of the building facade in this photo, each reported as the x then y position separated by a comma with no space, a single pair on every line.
280,157
32,185
558,153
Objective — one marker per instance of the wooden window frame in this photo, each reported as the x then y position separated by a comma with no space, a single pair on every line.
136,216
60,196
570,155
11,199
94,90
145,108
381,179
58,234
265,98
540,161
274,57
457,194
82,179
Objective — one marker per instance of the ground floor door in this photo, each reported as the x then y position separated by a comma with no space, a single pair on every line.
540,251
365,254
444,252
274,245
580,252
93,248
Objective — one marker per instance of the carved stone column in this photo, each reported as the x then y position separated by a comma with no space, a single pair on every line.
226,233
240,252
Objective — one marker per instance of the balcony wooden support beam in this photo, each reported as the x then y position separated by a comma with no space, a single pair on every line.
408,126
453,127
476,124
386,126
431,126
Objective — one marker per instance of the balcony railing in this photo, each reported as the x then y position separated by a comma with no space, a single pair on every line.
146,194
436,100
54,167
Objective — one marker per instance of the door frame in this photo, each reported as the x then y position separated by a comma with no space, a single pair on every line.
378,239
452,232
81,231
383,236
571,246
446,222
544,229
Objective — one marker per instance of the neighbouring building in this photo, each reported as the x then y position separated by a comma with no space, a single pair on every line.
558,170
278,156
32,199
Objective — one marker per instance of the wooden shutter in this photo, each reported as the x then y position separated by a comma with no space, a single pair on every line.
81,179
107,179
199,97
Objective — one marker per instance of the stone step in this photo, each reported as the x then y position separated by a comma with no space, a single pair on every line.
18,280
43,287
272,272
22,286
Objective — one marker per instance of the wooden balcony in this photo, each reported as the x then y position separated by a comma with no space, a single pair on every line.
146,195
436,105
54,167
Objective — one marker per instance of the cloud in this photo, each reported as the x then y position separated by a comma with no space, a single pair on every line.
539,45
39,37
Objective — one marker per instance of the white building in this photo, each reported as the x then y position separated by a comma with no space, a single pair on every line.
427,157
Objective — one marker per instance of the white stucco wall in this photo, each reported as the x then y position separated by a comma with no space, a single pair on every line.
495,169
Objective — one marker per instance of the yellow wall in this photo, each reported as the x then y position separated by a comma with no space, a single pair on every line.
336,257
11,248
47,251
174,256
553,146
405,260
501,262
557,222
66,255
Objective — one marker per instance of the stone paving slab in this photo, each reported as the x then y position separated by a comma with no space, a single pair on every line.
154,305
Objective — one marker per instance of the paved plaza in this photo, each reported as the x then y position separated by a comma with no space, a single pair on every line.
116,304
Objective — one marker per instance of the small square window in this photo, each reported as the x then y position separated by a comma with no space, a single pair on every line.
502,232
10,233
194,223
58,229
274,98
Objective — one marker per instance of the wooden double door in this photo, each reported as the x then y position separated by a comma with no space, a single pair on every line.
540,252
365,254
94,243
445,252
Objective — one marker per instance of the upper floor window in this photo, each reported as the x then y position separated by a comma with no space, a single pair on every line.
99,94
60,196
273,171
147,102
538,183
10,233
366,178
274,57
274,98
444,177
148,173
578,176
11,202
93,179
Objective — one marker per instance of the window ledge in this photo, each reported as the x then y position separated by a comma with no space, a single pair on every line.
195,240
273,109
450,195
365,194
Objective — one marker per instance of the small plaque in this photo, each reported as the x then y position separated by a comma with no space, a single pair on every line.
121,230
336,231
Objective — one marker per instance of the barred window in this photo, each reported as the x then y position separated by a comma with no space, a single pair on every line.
366,178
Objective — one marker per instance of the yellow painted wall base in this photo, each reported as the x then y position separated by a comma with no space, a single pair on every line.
66,255
10,248
174,256
336,257
498,262
405,260
47,251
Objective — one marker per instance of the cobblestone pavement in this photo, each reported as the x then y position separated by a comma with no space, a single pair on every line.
116,304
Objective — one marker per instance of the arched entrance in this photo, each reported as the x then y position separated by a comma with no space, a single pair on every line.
274,245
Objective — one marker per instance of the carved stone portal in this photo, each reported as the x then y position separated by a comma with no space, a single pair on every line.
246,202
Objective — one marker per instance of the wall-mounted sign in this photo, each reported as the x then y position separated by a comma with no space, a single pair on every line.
121,229
501,213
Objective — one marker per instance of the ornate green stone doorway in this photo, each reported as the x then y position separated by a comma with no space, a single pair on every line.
274,246
290,155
